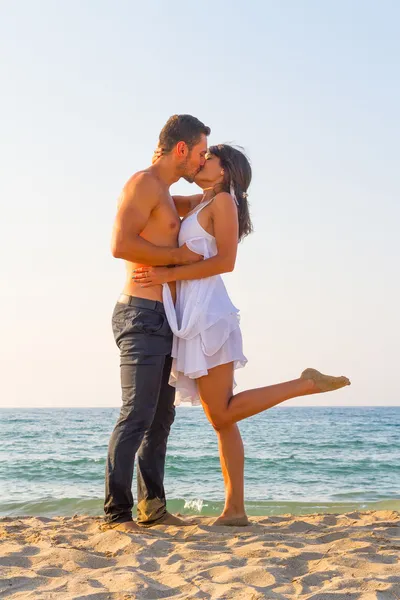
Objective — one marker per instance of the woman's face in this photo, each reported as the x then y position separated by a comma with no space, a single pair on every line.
211,173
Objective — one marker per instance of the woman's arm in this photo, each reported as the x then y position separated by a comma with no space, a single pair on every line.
226,232
184,204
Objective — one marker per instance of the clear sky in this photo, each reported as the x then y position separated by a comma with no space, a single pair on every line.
310,89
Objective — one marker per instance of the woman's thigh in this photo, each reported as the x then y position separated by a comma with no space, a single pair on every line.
215,390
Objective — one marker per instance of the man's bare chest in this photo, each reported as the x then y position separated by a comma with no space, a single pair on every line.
164,220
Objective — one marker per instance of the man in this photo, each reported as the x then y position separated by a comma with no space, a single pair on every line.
145,233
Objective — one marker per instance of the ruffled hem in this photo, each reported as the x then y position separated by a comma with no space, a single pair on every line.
183,375
186,387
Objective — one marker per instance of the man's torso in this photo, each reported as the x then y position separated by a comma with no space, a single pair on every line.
161,229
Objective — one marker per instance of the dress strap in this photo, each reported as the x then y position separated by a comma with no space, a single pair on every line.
202,205
198,208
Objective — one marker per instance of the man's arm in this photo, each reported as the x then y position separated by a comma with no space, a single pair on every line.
184,204
138,199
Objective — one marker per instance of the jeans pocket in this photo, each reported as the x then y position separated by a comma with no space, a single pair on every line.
136,320
148,321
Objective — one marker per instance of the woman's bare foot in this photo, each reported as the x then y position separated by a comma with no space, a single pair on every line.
324,383
232,521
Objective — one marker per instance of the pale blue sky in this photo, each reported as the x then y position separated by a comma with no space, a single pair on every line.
310,89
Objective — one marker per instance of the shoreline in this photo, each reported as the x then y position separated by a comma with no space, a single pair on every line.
67,507
349,555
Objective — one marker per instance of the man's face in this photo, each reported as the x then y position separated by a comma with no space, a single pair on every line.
195,160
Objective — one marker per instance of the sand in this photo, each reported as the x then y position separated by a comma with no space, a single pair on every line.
320,557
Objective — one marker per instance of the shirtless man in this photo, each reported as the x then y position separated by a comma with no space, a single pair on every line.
146,233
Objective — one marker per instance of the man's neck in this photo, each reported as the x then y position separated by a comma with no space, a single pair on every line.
165,170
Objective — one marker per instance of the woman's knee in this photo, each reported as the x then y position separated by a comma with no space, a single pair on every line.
216,393
219,419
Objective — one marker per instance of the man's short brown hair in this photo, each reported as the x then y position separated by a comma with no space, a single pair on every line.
181,128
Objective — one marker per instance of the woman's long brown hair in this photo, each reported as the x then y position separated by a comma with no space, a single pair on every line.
237,172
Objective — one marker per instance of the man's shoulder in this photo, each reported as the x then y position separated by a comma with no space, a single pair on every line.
142,187
143,180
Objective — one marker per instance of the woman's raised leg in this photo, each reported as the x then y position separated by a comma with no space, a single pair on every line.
223,408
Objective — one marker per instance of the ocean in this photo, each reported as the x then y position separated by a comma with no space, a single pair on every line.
299,460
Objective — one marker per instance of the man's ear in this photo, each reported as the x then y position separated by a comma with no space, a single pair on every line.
181,149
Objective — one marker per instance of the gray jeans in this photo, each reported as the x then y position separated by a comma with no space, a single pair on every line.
144,339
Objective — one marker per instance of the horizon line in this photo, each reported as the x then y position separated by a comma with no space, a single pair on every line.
189,406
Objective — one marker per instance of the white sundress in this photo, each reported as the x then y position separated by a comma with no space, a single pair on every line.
204,321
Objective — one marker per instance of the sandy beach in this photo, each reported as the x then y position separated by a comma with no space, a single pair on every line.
320,556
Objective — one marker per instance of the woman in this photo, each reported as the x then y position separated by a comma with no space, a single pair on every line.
207,345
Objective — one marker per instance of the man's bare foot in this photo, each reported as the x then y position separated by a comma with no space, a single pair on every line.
240,521
324,383
169,519
128,527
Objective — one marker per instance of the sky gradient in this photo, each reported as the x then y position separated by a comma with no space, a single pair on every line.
310,90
